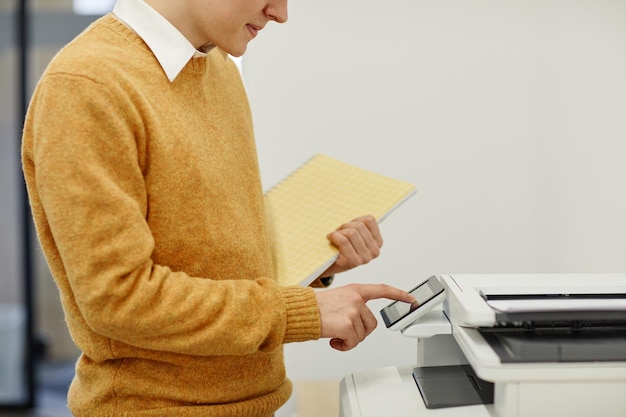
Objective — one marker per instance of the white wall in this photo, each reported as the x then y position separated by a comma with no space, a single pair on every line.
509,116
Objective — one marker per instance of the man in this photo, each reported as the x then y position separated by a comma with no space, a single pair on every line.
142,173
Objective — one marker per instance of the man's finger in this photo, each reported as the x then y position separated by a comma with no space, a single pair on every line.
339,344
372,225
374,291
369,321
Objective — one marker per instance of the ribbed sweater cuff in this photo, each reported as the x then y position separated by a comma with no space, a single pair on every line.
303,315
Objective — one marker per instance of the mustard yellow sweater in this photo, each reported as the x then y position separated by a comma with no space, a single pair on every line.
147,201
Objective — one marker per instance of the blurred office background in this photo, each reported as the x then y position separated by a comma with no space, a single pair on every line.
507,116
35,371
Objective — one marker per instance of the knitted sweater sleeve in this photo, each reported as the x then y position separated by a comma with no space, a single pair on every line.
83,167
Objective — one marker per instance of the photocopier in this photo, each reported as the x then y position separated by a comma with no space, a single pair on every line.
509,345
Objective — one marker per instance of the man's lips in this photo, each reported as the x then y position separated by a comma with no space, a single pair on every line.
254,30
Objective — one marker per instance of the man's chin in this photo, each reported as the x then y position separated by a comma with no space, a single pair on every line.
236,53
236,50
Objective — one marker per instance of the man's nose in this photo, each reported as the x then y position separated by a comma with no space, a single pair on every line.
277,10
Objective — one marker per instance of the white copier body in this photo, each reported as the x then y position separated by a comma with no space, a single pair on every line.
562,376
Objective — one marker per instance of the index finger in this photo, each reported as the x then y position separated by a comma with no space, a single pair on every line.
374,291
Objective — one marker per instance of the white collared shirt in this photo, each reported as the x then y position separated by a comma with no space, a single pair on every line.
168,44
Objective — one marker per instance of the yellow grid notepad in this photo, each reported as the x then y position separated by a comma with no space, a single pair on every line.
314,200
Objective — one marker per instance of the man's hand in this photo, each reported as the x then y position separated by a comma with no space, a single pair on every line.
345,318
358,241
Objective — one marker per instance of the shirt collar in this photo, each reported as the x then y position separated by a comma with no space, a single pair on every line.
169,46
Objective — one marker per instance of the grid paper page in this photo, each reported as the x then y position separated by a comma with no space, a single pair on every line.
314,200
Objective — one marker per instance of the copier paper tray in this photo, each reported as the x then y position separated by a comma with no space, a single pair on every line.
558,327
517,346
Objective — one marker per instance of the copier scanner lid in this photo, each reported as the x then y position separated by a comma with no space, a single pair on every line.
488,300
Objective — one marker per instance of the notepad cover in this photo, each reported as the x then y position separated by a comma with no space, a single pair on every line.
314,200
